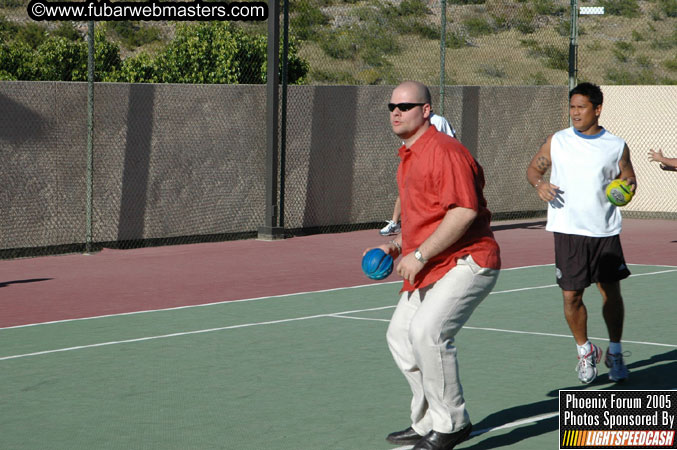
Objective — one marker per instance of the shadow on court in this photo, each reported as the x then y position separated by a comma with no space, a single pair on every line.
32,280
655,373
537,225
517,434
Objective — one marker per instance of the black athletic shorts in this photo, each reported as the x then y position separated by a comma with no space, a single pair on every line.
583,260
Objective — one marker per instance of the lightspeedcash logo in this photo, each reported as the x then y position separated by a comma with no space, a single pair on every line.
598,419
619,438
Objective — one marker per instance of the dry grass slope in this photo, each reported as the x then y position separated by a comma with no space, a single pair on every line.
489,42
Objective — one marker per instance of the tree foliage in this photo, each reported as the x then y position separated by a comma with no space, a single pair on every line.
209,52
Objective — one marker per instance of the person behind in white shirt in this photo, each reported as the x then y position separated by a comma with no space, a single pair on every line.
584,159
393,226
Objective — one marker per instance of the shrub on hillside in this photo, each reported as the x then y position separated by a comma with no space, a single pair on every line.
306,19
57,59
68,31
671,64
477,26
669,7
210,52
16,61
133,34
555,57
625,8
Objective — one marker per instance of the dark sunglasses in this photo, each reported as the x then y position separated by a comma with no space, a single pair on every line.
403,106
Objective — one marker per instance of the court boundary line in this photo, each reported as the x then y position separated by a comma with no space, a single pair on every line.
222,302
503,330
339,315
187,333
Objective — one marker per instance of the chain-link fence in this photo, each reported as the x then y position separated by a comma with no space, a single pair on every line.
493,42
179,146
628,42
362,42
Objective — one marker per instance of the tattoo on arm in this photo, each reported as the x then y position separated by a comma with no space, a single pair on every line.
542,163
625,164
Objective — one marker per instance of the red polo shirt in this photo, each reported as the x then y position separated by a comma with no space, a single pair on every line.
436,174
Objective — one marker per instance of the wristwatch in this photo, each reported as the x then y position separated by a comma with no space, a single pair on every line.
419,256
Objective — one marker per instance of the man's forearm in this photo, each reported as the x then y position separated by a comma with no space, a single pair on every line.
454,225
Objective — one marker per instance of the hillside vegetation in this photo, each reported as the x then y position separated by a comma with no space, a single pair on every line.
488,42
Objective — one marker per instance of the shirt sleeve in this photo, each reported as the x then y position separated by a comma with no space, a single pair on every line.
456,176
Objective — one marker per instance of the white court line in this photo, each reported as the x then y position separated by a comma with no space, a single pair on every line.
501,330
555,285
335,315
188,333
224,302
535,333
176,308
338,315
516,423
370,319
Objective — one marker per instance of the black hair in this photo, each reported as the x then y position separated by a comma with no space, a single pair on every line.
592,91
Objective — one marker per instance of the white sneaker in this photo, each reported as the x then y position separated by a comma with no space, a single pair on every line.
390,229
617,369
587,364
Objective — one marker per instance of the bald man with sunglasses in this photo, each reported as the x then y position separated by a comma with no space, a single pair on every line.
450,262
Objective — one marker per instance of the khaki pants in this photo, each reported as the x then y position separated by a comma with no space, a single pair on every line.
421,336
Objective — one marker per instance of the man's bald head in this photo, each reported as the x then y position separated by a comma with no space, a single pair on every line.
416,91
410,111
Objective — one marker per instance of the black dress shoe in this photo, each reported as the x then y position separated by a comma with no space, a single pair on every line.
443,441
408,436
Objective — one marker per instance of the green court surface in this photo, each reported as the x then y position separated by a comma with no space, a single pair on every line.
312,370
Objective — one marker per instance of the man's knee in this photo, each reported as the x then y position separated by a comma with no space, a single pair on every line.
611,293
423,336
573,298
395,335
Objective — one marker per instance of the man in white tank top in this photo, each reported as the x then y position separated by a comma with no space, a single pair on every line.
584,159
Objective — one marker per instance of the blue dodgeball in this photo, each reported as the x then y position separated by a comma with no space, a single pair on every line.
376,264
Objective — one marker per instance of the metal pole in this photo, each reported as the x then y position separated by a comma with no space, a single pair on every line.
573,45
90,136
443,52
270,229
283,123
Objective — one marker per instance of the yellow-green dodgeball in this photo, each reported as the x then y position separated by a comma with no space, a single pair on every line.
619,193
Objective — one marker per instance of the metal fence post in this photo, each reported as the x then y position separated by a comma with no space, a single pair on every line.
270,229
443,52
90,136
283,123
573,45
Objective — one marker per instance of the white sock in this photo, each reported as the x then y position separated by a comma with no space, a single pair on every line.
584,349
615,348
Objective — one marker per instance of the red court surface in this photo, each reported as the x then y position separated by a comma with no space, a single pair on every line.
63,287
